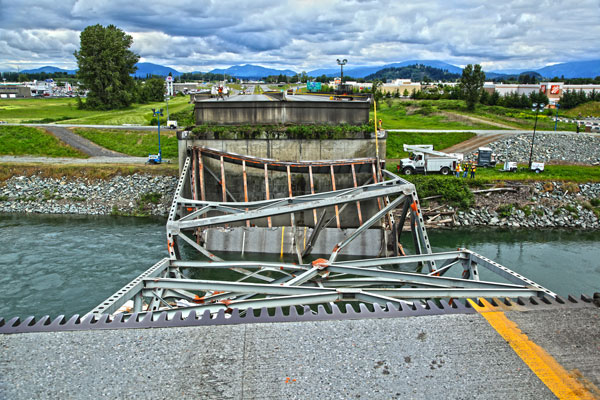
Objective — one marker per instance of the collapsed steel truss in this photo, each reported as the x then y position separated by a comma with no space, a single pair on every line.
382,281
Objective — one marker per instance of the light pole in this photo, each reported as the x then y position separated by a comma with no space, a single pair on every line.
158,114
341,63
535,108
556,117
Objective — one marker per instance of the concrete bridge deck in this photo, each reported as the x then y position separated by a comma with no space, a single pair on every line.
505,352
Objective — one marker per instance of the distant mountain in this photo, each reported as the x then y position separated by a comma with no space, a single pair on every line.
363,71
146,69
252,71
49,70
576,69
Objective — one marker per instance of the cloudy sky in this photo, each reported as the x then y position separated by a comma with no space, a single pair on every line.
199,35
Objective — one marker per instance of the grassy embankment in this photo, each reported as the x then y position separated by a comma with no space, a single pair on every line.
133,143
90,171
453,114
25,140
421,114
457,191
65,111
588,109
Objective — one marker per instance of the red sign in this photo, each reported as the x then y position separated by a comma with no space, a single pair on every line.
543,89
554,89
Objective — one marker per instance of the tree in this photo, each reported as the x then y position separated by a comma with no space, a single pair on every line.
472,84
105,64
153,90
377,94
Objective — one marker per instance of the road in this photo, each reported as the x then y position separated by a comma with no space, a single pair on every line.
82,144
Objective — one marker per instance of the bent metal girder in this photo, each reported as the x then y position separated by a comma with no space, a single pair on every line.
191,212
385,281
178,292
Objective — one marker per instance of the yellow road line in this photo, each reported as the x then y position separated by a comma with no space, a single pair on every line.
550,372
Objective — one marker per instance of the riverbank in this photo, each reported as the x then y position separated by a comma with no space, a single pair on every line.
135,195
509,204
523,205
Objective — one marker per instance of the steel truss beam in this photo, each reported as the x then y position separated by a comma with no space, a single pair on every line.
166,286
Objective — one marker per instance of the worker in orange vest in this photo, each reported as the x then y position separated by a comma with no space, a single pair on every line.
457,170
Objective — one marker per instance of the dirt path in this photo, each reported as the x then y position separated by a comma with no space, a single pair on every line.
80,143
475,142
475,119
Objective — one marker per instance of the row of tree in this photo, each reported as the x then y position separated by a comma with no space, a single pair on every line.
203,76
571,98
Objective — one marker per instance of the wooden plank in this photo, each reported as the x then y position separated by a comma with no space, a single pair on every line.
223,186
312,191
267,191
201,174
245,187
337,210
194,181
360,221
376,180
289,179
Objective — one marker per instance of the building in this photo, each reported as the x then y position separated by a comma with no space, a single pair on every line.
400,86
14,90
554,90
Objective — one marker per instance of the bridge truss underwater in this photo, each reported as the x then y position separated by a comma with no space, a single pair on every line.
375,277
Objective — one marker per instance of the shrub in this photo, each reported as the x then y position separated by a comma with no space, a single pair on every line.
505,210
454,191
570,187
595,202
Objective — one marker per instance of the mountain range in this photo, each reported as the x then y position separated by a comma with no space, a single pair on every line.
252,71
576,69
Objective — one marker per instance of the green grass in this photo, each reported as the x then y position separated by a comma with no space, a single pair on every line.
572,173
25,140
258,89
588,109
439,140
64,110
427,114
133,143
422,115
518,118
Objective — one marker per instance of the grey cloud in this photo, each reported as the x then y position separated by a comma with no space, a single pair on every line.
305,34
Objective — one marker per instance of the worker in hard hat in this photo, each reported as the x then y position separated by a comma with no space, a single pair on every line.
473,169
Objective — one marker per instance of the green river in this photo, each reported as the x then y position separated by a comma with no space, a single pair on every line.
52,265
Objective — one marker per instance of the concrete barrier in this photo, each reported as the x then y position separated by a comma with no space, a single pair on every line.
281,112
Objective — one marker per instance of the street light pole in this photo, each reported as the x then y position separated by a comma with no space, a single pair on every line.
158,114
341,63
536,108
556,117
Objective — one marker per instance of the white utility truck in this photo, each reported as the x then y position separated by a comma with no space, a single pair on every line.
424,159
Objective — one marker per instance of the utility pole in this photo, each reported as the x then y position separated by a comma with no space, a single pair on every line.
341,64
535,108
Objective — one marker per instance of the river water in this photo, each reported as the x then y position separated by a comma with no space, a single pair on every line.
52,265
